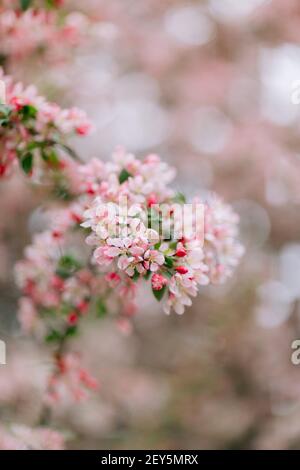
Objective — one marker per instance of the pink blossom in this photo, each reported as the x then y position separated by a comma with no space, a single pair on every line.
153,260
69,379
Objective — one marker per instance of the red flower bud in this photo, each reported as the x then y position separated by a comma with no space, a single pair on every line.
76,218
72,318
2,169
56,234
90,189
181,252
152,199
181,269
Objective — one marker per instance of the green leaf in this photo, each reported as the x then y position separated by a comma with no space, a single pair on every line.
180,198
173,245
28,112
53,336
27,162
67,266
71,331
50,157
169,262
5,112
65,309
136,275
101,308
158,294
4,122
34,145
147,275
168,274
53,159
25,4
123,176
50,4
67,149
61,190
48,311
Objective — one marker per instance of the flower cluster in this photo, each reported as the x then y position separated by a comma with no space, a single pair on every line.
138,227
69,378
56,284
59,283
61,287
33,131
58,291
37,27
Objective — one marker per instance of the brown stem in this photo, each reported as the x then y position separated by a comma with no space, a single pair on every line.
46,412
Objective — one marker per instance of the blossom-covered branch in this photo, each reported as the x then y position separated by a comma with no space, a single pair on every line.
65,280
36,26
33,131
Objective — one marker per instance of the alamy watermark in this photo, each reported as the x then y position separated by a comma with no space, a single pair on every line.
2,352
172,221
2,92
295,94
295,356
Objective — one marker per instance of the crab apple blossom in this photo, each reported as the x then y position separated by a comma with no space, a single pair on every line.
55,285
69,378
33,131
39,28
125,241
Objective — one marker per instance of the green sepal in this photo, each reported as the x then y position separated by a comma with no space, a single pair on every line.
158,294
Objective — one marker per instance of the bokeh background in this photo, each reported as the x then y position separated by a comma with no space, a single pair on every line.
212,86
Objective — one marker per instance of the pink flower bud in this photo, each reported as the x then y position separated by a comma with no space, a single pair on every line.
158,281
57,282
83,307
